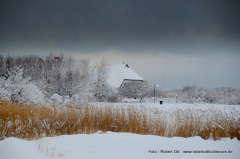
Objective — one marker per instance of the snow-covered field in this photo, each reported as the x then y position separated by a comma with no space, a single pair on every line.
172,106
118,146
126,145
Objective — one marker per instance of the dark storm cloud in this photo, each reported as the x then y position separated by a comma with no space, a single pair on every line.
191,41
132,26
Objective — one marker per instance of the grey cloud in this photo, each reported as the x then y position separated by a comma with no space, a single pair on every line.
136,26
193,42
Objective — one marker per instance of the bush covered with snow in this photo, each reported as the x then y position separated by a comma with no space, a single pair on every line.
56,99
135,89
13,87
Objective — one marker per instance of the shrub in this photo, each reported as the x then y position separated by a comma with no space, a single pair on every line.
13,87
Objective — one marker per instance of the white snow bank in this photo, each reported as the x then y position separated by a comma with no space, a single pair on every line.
116,145
14,148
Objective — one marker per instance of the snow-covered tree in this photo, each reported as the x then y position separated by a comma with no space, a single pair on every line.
100,88
190,92
71,80
136,89
13,87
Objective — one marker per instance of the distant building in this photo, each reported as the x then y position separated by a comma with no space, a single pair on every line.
119,74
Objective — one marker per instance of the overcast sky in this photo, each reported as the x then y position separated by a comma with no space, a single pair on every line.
191,41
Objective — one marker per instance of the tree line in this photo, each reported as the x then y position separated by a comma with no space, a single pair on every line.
61,79
58,78
195,94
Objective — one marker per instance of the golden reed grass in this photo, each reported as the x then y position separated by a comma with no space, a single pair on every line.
32,122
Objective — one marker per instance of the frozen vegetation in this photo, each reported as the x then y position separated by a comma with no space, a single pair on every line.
206,121
54,80
62,80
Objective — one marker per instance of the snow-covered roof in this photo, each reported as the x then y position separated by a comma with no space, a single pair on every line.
119,73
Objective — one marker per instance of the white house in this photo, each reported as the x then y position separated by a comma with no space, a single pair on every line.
120,74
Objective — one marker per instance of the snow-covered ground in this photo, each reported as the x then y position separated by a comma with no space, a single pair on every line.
118,146
173,106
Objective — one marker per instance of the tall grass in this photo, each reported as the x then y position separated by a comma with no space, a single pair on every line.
32,122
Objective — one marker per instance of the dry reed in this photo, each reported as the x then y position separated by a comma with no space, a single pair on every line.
32,122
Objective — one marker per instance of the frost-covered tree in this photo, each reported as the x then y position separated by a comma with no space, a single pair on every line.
136,89
13,87
100,88
190,92
71,80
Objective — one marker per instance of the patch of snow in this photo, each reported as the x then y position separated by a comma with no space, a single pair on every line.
118,146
